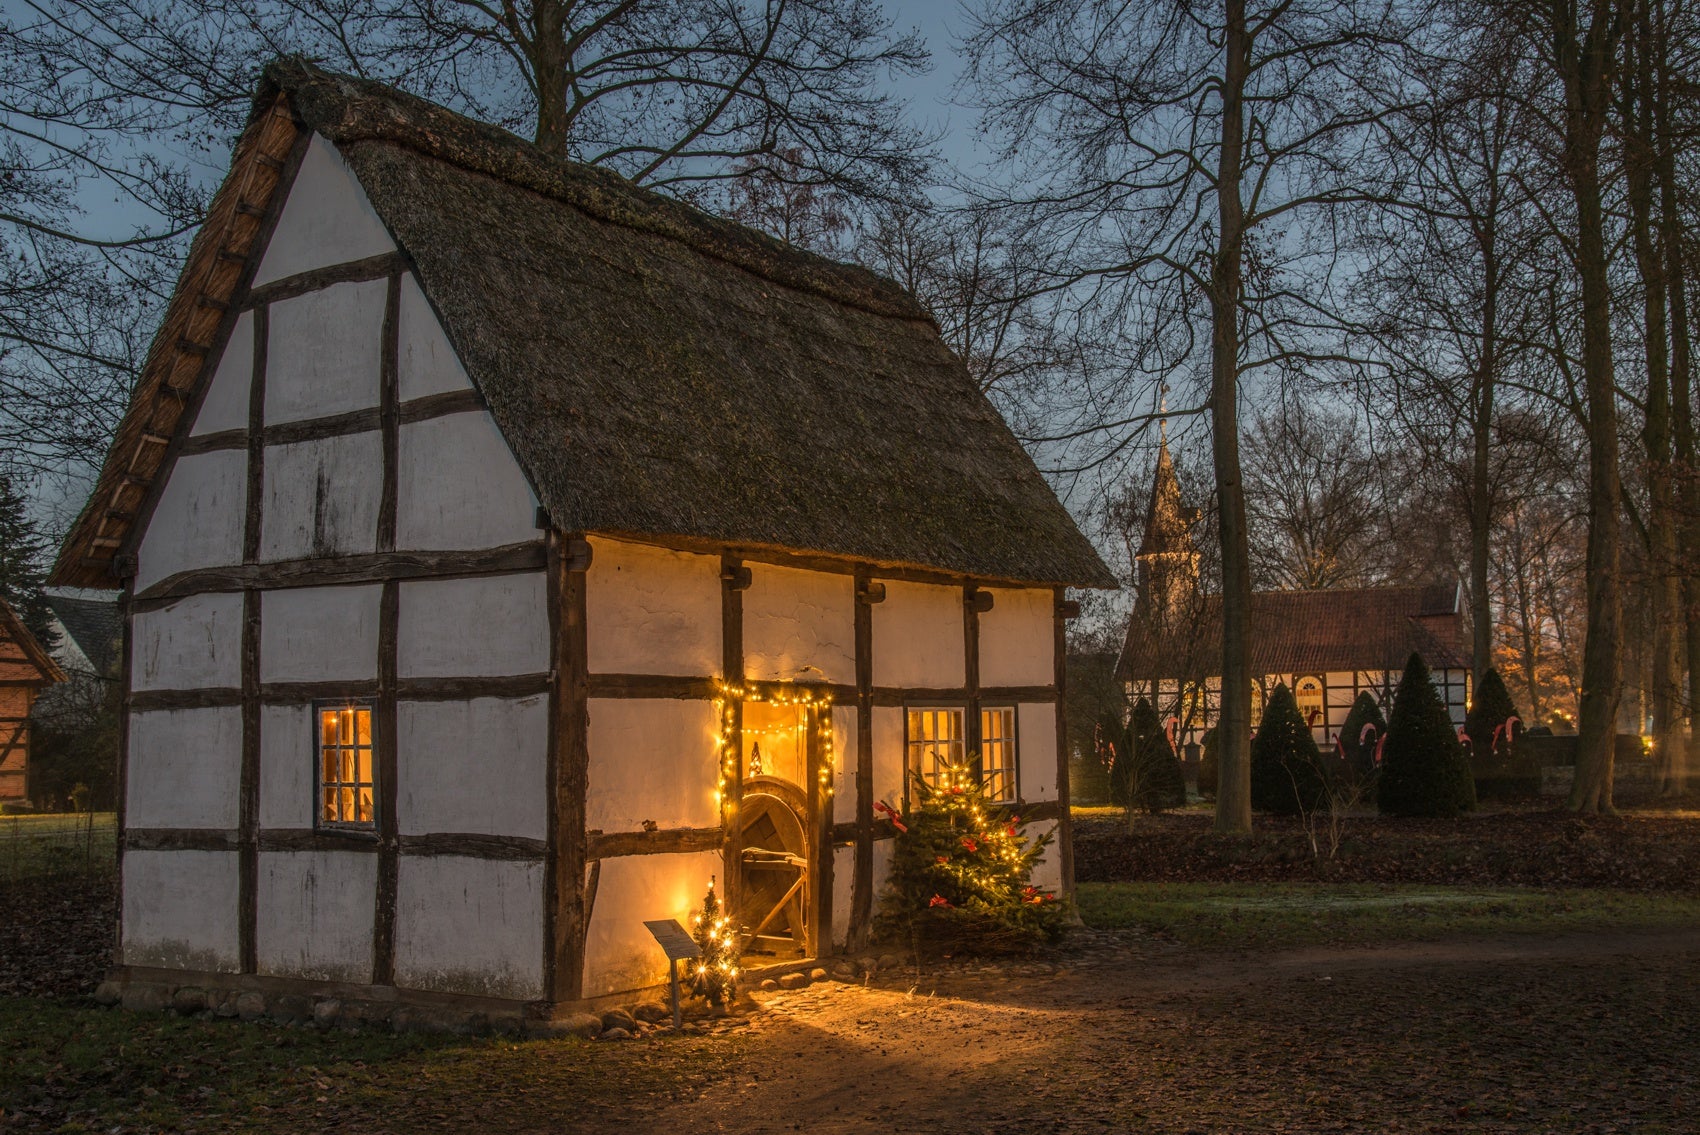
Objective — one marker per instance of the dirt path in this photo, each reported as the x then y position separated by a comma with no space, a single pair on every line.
1470,1036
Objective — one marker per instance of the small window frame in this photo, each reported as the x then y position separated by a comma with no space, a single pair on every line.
355,827
1010,771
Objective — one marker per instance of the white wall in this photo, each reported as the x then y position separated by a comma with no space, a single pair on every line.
225,406
313,914
889,779
322,497
194,643
619,952
458,486
185,768
324,352
288,749
918,636
843,893
485,626
652,759
1036,750
326,219
473,766
799,626
470,926
652,611
1017,638
316,634
427,364
180,910
198,520
1047,873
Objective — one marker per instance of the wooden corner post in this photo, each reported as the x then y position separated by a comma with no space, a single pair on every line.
568,913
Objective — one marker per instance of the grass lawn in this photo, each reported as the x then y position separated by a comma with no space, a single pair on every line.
1215,916
69,1067
57,844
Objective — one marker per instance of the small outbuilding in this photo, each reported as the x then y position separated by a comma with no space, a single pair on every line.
25,670
508,551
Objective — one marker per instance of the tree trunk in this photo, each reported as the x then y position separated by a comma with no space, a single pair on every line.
1687,487
547,55
1233,726
1585,65
1664,602
1481,470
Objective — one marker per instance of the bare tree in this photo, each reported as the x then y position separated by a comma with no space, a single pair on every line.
1313,517
1176,154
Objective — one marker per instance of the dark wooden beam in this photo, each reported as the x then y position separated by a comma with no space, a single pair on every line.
338,425
474,845
385,749
672,841
572,777
370,567
248,817
316,839
731,772
183,839
1059,671
292,693
862,884
318,279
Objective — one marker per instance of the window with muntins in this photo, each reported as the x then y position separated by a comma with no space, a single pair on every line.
938,746
997,752
346,787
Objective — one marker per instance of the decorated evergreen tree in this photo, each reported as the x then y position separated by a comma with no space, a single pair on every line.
1357,745
1424,770
23,563
961,873
1491,707
716,974
1286,769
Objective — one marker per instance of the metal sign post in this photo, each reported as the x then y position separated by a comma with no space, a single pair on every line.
679,947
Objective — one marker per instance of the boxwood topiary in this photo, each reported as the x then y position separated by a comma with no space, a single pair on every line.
1286,768
1359,751
1424,769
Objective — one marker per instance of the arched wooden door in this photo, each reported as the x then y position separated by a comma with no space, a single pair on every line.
776,883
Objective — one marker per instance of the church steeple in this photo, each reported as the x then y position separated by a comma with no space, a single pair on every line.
1167,560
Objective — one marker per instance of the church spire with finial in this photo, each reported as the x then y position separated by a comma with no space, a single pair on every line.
1167,560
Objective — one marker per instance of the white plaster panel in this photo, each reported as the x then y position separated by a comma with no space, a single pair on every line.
1018,638
470,926
473,766
185,768
888,755
324,352
427,364
458,486
652,759
288,748
198,520
844,758
918,636
322,497
485,626
225,406
1047,873
194,643
843,892
652,611
326,219
1036,750
313,915
314,634
620,954
800,626
180,910
882,866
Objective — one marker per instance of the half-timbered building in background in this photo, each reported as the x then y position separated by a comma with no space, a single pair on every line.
1327,646
509,551
25,670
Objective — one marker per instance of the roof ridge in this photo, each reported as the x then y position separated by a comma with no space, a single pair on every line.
349,110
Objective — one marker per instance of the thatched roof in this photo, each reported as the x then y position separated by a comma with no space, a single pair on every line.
662,373
1313,632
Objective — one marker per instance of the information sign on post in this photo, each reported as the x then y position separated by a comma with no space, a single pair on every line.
679,946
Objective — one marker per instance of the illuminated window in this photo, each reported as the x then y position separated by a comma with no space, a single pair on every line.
937,746
776,741
997,752
1308,693
347,790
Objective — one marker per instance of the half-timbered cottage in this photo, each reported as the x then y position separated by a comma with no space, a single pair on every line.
25,670
510,551
1327,646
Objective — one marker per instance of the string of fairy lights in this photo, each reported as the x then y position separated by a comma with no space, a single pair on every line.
816,705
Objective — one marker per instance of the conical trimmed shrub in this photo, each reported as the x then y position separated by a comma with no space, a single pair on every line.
1209,765
1424,770
1146,773
1286,769
1490,708
1358,750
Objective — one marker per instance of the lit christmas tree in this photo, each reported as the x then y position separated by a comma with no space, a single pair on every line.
961,871
716,975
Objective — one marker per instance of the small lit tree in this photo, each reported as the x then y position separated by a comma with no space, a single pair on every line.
716,976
